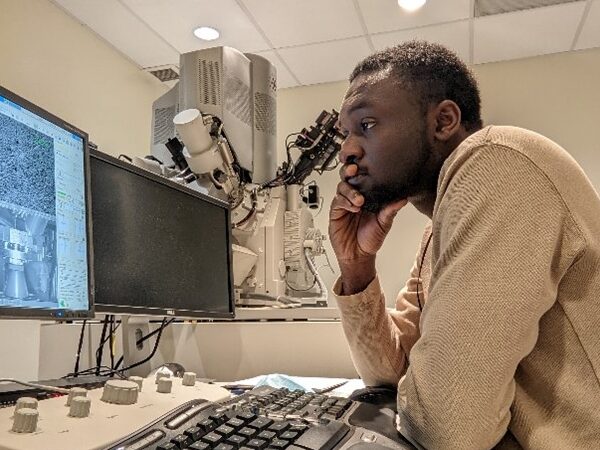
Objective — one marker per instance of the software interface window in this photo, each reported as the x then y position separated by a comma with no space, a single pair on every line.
42,213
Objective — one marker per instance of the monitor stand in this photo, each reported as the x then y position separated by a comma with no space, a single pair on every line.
132,330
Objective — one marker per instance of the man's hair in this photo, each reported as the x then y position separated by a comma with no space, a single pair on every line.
433,72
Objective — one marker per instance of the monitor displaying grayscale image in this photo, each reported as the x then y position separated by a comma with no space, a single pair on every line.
45,262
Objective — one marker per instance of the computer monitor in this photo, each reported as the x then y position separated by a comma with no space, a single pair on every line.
162,249
45,264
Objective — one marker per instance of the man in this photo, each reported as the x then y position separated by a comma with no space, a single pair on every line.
494,341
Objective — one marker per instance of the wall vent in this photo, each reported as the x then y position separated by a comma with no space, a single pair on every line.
164,73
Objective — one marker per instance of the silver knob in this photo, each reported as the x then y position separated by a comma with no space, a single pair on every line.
76,392
137,380
160,375
189,379
80,407
120,392
26,402
164,385
25,420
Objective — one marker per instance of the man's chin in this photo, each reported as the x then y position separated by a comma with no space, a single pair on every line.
378,199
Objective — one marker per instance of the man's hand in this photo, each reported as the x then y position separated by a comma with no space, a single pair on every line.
357,235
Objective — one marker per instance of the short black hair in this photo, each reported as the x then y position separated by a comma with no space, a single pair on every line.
433,72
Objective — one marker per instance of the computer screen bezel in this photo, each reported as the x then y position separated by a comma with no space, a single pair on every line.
172,312
60,313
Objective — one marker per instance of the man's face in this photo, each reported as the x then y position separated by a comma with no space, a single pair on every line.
386,137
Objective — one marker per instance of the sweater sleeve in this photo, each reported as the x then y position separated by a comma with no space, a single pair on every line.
502,240
379,339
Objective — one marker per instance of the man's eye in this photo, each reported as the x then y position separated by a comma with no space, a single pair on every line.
366,125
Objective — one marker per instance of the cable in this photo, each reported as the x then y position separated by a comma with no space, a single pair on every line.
79,346
420,267
100,348
111,342
158,331
163,325
39,386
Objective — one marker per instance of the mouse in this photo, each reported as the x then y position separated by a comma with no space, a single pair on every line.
383,396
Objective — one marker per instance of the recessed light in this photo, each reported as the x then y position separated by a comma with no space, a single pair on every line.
411,5
206,33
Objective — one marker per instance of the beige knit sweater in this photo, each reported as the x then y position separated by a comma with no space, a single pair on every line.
509,338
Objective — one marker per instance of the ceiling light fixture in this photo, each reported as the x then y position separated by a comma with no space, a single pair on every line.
206,33
411,5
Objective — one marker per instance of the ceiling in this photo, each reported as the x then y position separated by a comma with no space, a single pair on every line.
317,41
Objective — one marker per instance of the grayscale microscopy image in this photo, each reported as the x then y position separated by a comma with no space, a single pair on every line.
26,167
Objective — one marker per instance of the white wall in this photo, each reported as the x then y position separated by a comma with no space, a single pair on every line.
556,95
57,63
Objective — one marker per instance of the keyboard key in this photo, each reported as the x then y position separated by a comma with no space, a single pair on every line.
248,432
181,441
278,444
194,433
212,438
199,446
279,427
235,423
207,425
256,443
261,423
246,416
225,430
224,447
320,437
236,440
218,418
167,446
289,435
267,435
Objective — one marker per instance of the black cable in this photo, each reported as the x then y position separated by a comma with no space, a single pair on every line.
420,267
100,348
144,339
112,341
163,325
79,346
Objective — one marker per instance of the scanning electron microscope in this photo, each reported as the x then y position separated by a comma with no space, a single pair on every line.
215,131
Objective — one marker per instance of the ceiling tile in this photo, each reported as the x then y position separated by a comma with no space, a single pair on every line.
114,23
284,77
590,33
176,20
526,33
292,22
453,35
386,15
328,61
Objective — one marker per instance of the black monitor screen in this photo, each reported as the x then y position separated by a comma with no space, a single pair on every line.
45,257
160,248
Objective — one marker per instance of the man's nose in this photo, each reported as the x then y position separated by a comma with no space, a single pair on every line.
350,151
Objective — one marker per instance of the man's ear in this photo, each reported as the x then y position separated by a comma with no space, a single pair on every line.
447,119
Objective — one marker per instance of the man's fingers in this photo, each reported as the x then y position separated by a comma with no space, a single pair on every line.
342,204
348,170
350,193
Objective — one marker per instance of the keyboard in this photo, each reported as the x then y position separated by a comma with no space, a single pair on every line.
263,418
